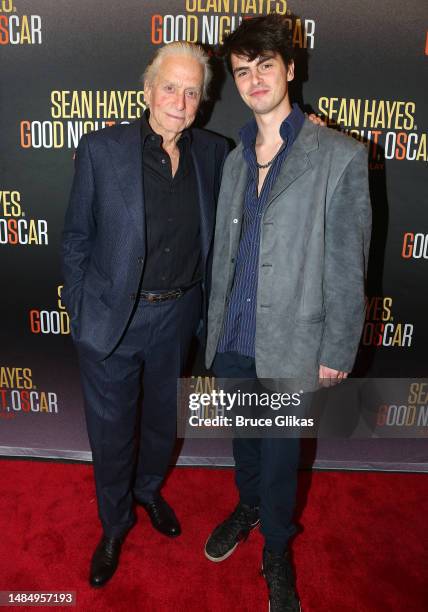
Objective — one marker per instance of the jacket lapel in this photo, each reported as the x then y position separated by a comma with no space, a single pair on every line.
126,154
297,162
204,171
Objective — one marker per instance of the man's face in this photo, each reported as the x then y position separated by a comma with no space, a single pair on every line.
174,95
263,82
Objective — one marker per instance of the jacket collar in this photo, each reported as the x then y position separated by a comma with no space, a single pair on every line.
289,128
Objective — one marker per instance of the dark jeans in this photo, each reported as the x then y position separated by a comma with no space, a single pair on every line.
266,468
153,352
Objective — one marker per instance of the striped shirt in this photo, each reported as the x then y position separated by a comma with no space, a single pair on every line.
239,327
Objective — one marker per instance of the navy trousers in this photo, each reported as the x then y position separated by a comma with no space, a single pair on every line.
266,468
147,362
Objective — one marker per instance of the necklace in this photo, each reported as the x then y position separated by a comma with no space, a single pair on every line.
269,163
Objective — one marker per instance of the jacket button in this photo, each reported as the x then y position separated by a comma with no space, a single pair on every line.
133,296
140,260
235,220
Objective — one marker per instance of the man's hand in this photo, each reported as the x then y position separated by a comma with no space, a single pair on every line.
329,377
316,120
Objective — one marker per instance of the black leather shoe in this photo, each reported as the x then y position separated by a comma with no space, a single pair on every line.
162,517
104,561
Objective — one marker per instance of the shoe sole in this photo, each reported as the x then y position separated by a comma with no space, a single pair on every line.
229,552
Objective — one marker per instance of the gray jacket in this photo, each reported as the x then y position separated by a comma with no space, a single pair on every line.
314,246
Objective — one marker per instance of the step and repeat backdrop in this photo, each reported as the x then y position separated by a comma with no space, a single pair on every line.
70,67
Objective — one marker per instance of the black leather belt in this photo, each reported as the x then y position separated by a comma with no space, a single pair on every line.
161,297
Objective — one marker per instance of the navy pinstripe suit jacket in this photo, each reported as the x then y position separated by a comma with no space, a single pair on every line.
103,244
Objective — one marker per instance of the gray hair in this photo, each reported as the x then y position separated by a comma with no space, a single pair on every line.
180,48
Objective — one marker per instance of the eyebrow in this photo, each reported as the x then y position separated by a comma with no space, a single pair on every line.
177,84
264,58
261,59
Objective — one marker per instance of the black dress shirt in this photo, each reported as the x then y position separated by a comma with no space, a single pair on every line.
173,256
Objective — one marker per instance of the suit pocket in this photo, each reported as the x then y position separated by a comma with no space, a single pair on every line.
96,282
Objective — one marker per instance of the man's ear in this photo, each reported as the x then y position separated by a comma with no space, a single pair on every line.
147,92
290,70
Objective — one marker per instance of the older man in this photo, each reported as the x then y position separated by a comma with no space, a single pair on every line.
136,252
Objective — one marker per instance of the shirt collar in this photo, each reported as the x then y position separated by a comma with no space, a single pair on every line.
289,129
146,131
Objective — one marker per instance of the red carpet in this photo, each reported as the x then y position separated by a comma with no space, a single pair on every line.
363,547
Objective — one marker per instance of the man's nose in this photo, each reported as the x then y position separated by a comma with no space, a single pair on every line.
256,77
180,100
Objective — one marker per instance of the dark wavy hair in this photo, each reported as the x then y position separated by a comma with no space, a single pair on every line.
257,35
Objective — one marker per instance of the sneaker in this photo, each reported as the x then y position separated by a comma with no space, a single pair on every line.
279,576
236,528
